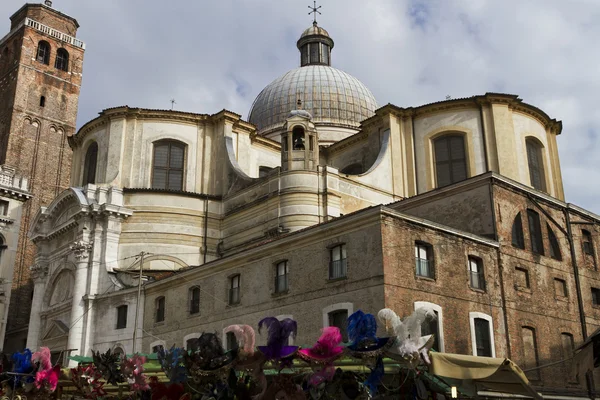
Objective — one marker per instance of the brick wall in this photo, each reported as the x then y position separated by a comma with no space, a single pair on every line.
33,138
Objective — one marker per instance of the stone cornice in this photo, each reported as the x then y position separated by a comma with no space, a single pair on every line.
15,193
475,102
345,143
263,141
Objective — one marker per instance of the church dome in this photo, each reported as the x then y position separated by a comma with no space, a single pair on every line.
331,96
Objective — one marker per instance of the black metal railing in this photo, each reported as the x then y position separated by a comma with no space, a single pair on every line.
337,269
281,283
424,268
477,280
234,295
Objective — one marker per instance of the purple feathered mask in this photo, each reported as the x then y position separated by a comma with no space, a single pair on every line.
279,333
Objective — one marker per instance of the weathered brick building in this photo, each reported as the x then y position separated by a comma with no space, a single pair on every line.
41,65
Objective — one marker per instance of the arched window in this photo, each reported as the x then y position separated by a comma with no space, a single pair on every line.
337,315
62,60
167,172
536,164
194,294
43,101
298,138
450,159
518,240
433,326
89,167
482,334
43,52
554,246
535,232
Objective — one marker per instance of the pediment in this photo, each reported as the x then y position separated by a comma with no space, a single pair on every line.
57,329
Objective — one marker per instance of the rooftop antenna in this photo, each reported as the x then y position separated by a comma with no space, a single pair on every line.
314,10
48,3
173,102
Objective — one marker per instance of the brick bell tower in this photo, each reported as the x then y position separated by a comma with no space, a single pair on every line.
41,65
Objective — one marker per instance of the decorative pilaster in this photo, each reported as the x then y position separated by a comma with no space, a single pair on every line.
39,274
81,250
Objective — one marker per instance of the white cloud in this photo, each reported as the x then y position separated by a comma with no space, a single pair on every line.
214,55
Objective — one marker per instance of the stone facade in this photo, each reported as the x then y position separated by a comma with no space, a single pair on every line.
38,109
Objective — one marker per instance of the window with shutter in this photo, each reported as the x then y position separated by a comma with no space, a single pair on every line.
168,160
536,165
450,160
588,247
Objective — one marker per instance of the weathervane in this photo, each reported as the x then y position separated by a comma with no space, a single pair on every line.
314,10
173,102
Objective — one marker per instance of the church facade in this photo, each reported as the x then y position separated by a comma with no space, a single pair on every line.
320,204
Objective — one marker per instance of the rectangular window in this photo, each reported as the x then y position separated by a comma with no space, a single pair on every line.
160,309
337,265
476,272
483,342
596,297
530,359
3,207
121,317
588,247
339,318
191,345
431,327
231,341
521,278
535,232
281,277
424,260
560,287
234,290
194,300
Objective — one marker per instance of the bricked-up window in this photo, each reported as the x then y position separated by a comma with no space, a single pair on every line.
596,296
167,172
431,327
281,277
424,260
535,232
43,52
554,246
62,60
483,340
450,160
337,264
560,287
160,309
234,289
90,164
530,352
536,164
194,295
518,240
568,347
191,345
588,244
521,278
339,319
231,341
477,277
121,317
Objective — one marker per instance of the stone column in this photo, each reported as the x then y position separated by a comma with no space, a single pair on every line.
39,273
81,251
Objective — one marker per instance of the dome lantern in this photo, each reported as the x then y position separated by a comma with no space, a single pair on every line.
315,46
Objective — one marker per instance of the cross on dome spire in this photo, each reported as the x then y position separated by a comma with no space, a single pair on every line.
314,10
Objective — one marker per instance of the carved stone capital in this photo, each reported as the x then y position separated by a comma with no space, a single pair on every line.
39,271
81,249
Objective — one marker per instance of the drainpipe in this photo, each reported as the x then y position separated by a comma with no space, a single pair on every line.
205,228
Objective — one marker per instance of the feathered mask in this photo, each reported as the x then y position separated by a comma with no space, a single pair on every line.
171,362
209,357
324,353
108,364
362,332
133,370
409,343
46,376
278,335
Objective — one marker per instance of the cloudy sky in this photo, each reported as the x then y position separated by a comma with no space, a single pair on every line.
210,55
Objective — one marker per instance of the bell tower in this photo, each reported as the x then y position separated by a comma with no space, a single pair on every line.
41,65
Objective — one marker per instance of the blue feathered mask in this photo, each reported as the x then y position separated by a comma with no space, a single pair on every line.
362,332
